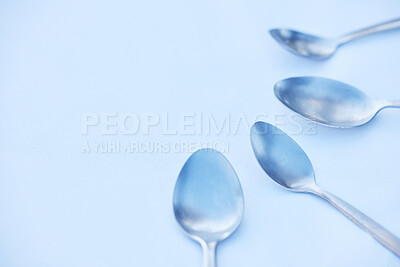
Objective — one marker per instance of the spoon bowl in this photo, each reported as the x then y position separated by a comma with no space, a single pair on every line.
275,151
208,200
289,166
328,102
304,44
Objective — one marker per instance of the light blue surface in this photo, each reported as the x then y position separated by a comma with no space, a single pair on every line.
60,60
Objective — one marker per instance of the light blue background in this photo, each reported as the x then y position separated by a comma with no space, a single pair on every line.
61,59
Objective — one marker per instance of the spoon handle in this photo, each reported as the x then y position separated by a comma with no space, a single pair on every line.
209,254
388,25
377,231
389,103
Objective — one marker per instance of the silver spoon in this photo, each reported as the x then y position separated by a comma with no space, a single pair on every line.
315,47
208,200
329,102
288,165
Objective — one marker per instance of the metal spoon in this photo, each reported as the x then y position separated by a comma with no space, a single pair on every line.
315,47
288,165
329,102
208,200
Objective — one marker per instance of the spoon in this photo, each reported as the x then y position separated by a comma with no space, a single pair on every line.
329,102
208,200
315,47
288,165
